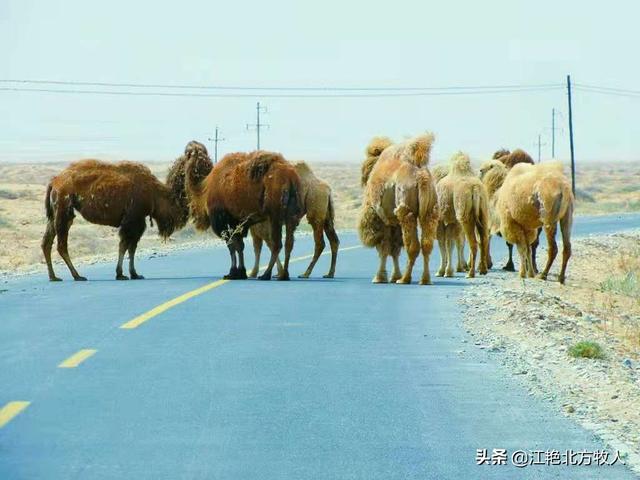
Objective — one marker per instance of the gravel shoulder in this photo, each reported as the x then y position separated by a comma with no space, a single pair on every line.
530,326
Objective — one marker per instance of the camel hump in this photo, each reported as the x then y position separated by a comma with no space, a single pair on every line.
516,157
503,152
460,164
260,164
418,149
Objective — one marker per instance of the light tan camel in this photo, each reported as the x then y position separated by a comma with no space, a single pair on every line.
318,204
464,208
399,191
534,196
439,172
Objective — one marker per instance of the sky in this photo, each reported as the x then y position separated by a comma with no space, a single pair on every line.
317,44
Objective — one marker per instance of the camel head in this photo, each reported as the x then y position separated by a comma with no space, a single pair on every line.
460,164
503,152
492,174
374,149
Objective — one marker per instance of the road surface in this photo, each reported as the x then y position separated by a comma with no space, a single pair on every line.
308,379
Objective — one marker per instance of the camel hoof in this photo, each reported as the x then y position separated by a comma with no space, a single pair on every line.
328,275
283,277
55,279
303,275
440,273
403,281
379,279
449,274
425,281
509,267
471,275
241,274
119,277
561,279
265,276
253,274
541,276
135,276
80,279
484,271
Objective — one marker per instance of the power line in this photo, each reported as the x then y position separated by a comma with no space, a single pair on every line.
280,95
274,88
608,89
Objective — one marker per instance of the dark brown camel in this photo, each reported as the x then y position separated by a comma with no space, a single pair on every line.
241,190
118,195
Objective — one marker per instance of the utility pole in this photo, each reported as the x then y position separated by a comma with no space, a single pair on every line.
215,141
573,161
258,125
540,144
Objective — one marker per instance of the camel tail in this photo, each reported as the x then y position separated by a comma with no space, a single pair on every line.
47,203
480,209
427,197
331,214
376,146
292,201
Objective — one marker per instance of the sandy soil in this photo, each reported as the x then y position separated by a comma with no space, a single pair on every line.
530,326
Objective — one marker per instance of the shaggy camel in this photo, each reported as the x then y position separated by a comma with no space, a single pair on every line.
318,205
115,194
463,208
241,190
439,172
509,159
399,192
526,198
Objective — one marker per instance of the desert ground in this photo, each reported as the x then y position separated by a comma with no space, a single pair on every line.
602,188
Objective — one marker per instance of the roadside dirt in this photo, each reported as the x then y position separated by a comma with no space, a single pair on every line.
530,326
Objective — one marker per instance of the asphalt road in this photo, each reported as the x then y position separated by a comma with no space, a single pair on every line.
308,379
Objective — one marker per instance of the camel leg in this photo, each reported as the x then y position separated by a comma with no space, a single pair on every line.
483,236
239,247
133,246
62,231
522,250
257,249
47,244
530,271
409,227
509,267
397,272
233,271
552,247
122,248
288,247
565,229
276,246
442,244
451,232
489,259
428,230
381,275
534,248
462,264
470,233
334,243
318,241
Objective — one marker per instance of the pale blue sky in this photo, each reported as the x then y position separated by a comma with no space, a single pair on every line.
328,43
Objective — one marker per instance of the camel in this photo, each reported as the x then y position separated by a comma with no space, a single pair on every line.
244,189
439,172
119,195
509,159
318,205
464,207
399,195
534,196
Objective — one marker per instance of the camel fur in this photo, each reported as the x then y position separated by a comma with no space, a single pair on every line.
463,203
534,196
318,206
399,192
244,189
439,172
118,195
509,159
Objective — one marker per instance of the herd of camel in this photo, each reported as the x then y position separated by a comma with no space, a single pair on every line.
405,206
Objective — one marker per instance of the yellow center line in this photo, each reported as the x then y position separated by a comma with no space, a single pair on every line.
10,410
163,307
77,358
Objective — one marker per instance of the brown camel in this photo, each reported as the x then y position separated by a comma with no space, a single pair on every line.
509,159
399,191
241,190
119,195
318,205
